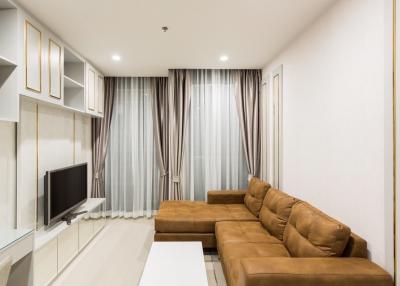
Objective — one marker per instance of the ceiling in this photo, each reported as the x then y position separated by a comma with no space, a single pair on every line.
250,32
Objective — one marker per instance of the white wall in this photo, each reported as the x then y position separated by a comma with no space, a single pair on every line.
335,118
48,138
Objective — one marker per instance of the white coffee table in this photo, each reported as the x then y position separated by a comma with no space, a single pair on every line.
175,264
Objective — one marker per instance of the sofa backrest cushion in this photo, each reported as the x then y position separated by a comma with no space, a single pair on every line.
275,212
311,233
255,195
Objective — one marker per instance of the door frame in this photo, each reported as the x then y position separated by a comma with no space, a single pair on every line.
277,126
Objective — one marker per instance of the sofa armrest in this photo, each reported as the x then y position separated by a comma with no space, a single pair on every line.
226,197
290,271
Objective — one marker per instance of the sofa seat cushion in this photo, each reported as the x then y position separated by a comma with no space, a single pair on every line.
242,232
318,271
239,212
232,253
311,233
255,195
197,217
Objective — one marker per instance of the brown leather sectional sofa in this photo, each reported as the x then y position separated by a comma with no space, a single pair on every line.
267,238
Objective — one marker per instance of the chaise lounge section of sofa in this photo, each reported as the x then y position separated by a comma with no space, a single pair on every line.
265,237
195,221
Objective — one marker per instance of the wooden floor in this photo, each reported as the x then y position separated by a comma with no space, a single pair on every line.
116,257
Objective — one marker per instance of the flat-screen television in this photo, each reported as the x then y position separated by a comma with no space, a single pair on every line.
64,190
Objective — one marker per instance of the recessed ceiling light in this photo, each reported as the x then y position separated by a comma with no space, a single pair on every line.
223,58
116,58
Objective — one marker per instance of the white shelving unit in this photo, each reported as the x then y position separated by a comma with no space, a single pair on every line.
9,99
7,62
43,236
55,247
70,83
74,80
36,63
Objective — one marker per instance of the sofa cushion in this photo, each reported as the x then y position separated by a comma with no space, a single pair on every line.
232,253
311,233
255,195
317,271
243,231
197,217
275,212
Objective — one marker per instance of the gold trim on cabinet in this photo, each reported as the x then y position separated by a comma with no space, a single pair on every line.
94,91
99,96
59,67
26,57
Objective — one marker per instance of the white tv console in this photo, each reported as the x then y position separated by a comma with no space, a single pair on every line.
57,246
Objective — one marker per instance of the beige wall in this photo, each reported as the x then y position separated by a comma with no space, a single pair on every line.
48,138
336,114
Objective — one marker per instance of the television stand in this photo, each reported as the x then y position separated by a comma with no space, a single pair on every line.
69,217
57,246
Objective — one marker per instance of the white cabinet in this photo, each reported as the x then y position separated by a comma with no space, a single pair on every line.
98,216
9,99
56,247
33,57
37,64
40,61
54,69
45,263
94,91
74,80
100,94
91,89
85,231
68,245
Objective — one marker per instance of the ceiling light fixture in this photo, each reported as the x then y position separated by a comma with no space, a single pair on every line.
116,58
223,58
164,29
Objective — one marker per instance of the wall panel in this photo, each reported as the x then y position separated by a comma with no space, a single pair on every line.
83,144
8,174
48,138
27,162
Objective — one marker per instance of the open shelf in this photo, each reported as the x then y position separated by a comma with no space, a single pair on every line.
70,83
74,67
74,81
74,96
9,99
5,4
7,62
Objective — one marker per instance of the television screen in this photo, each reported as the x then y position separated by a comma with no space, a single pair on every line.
65,190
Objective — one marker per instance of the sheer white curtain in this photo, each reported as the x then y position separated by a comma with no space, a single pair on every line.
132,174
213,154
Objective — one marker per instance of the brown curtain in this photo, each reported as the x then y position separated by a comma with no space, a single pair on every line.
100,136
179,104
248,105
161,130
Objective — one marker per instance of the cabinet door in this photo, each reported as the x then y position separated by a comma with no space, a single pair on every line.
54,69
33,58
85,232
68,245
45,264
100,94
91,89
